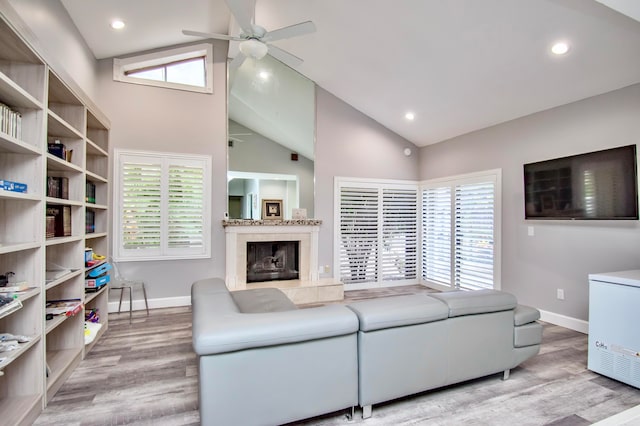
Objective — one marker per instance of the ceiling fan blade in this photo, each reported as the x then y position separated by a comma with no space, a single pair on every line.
284,56
295,30
236,62
210,35
239,11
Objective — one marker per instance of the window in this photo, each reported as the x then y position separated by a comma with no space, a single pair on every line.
461,231
377,232
163,206
187,68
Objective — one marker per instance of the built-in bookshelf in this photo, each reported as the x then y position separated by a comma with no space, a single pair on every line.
53,204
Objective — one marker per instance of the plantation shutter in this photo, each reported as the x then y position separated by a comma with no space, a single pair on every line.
163,206
141,204
377,232
436,234
474,235
185,221
399,234
358,234
460,229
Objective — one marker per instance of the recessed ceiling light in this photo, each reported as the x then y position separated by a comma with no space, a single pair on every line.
263,75
117,24
410,116
560,48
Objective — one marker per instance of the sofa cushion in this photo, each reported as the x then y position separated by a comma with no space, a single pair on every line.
387,312
476,302
262,300
525,314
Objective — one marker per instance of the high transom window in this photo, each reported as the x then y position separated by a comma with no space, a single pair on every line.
187,68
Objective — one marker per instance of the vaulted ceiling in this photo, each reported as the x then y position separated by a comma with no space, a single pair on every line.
458,65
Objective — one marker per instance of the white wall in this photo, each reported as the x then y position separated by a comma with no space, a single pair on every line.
348,143
561,254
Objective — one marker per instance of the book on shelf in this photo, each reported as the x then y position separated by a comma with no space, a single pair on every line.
8,185
67,307
61,225
10,121
58,149
9,305
90,196
58,187
90,222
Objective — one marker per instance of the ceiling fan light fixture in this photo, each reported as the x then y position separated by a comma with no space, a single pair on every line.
253,48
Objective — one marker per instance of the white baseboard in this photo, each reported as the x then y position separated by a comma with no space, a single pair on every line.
138,304
565,321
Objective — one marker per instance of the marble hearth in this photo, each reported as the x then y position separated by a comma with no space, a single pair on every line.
309,288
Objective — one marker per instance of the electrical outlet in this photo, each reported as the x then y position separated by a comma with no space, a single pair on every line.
560,294
530,231
327,269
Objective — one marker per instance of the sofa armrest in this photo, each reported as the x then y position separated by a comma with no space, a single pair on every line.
525,314
215,332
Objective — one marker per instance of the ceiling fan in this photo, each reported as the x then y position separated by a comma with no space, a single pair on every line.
255,40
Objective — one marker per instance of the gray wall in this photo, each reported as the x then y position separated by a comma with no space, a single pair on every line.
561,254
53,34
350,144
258,153
167,120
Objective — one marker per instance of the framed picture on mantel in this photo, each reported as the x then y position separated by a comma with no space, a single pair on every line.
272,209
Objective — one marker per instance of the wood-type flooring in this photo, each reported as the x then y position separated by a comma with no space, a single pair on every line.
145,373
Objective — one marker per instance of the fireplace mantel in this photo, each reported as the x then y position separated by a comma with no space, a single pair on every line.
309,288
252,222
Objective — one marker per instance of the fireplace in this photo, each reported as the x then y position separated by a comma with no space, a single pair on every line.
272,261
243,236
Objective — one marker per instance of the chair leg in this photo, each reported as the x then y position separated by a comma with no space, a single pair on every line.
130,305
120,303
144,292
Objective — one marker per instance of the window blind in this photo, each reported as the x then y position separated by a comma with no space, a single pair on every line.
399,234
459,231
185,216
163,206
141,206
436,234
474,235
358,234
377,234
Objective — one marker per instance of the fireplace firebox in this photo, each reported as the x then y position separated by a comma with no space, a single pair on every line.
272,261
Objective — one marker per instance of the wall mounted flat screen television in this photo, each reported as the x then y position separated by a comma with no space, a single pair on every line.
596,185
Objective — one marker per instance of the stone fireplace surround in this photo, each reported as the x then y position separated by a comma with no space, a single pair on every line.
309,288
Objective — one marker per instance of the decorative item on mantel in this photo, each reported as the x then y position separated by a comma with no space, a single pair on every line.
268,222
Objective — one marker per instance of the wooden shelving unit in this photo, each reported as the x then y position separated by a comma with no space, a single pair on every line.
22,88
50,112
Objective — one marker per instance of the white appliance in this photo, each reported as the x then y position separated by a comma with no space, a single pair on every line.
614,325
